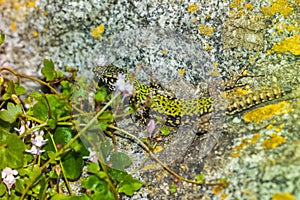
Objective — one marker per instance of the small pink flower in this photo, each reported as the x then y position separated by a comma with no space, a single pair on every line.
151,127
8,177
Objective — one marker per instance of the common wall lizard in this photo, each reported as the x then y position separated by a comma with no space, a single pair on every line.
178,112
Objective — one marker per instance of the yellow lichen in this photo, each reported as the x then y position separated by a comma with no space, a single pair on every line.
280,6
224,196
249,6
30,4
164,52
215,71
278,129
35,33
236,3
205,30
236,151
283,196
193,8
181,71
157,149
268,111
13,26
208,47
207,16
291,44
98,31
273,142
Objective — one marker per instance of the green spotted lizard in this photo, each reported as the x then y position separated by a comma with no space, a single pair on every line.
185,112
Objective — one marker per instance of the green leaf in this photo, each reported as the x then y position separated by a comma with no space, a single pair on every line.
40,110
36,95
200,178
93,168
67,88
165,131
129,185
116,175
43,188
48,70
65,197
101,95
105,147
52,123
103,125
2,189
2,38
99,186
63,135
58,107
11,150
10,115
73,164
119,160
20,185
20,89
173,188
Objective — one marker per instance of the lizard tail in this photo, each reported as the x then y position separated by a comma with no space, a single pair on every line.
244,102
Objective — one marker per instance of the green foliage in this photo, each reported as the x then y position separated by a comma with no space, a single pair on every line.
119,160
11,150
59,117
100,182
10,115
200,178
2,38
165,131
129,185
173,188
49,72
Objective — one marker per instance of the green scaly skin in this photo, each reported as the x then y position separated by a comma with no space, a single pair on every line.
185,112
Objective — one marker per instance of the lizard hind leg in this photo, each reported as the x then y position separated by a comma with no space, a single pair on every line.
233,81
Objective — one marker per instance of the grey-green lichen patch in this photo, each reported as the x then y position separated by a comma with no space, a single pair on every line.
244,31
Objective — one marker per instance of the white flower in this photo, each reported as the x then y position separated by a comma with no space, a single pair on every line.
34,150
92,157
23,127
39,140
8,177
125,87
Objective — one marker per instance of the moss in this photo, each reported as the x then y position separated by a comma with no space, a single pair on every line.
282,7
265,112
291,44
273,142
